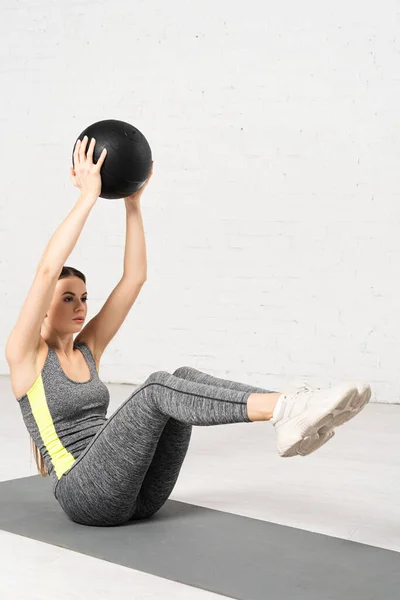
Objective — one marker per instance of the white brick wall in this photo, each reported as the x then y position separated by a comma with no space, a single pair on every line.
272,220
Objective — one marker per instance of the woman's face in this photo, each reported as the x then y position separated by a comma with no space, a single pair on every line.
68,303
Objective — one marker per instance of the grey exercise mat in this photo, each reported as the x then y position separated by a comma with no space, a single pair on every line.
224,553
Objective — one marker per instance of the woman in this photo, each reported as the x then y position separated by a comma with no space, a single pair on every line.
109,471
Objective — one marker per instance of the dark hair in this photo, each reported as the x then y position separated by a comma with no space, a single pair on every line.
71,272
40,464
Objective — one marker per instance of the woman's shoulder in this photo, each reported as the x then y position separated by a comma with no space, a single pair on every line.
23,375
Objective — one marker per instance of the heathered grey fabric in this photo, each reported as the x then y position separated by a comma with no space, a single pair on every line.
130,468
78,409
127,465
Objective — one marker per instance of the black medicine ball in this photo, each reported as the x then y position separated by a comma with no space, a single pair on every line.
128,160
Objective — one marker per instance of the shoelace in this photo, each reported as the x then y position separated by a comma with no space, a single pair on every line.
305,388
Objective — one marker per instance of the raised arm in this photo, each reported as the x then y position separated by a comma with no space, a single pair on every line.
25,336
87,178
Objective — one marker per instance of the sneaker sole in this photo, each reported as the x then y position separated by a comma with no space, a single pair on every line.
319,428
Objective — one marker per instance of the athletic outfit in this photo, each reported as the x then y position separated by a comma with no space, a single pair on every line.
109,471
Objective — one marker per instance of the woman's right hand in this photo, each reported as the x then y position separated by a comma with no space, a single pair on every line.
85,175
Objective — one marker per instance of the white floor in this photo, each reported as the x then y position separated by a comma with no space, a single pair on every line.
348,489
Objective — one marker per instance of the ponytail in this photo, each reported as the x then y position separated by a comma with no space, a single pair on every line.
40,464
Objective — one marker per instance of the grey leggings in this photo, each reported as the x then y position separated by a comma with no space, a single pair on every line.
130,467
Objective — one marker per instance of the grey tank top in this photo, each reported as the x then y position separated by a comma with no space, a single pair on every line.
61,415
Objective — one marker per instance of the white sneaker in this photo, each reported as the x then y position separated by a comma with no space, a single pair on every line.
305,418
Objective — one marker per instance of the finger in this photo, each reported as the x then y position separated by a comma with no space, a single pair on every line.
72,177
91,149
76,152
102,158
82,149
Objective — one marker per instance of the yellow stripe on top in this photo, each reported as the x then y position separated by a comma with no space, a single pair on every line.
62,459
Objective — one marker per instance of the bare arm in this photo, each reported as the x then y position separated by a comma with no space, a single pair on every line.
85,176
135,258
64,239
24,339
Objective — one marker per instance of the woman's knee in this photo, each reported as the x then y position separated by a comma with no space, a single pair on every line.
158,377
182,372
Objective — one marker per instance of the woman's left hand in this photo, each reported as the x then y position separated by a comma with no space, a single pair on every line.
133,199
